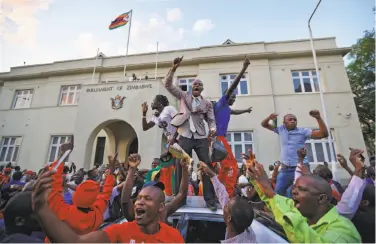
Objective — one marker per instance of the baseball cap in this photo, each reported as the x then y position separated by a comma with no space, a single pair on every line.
158,184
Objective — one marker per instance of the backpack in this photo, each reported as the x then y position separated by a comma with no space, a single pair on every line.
116,211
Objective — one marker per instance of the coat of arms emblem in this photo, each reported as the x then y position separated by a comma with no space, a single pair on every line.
117,102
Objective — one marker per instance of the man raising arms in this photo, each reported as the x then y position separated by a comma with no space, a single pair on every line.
195,108
292,138
146,228
229,168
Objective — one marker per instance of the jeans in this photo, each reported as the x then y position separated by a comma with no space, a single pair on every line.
201,147
285,179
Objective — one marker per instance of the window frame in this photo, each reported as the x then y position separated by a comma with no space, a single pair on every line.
13,156
57,145
15,98
245,78
301,77
74,99
242,142
325,150
189,80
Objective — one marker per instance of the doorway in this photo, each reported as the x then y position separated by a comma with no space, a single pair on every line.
99,150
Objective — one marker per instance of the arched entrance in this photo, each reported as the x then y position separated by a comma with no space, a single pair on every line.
110,137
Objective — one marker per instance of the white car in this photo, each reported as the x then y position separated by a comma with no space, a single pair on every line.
198,224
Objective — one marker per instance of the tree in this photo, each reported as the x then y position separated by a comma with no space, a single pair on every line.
361,73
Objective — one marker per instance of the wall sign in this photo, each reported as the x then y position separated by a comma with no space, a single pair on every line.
120,88
117,102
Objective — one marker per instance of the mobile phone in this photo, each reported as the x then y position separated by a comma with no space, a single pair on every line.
62,158
361,155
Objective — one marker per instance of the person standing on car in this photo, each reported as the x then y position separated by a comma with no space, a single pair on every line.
292,138
193,136
146,228
237,213
222,111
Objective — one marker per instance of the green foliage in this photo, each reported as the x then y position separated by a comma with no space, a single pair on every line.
361,73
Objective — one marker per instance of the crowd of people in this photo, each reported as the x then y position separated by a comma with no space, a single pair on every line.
63,204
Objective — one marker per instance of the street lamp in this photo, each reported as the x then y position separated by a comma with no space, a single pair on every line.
331,146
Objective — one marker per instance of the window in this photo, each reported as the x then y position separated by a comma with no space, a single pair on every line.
23,99
9,148
226,81
240,142
54,150
186,84
305,81
318,150
70,95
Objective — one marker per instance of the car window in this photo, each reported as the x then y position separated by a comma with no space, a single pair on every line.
205,231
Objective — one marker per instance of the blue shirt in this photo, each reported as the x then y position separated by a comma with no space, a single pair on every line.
290,142
222,115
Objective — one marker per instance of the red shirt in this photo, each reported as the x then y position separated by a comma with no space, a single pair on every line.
130,232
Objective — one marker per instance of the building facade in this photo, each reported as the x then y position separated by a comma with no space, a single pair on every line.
41,106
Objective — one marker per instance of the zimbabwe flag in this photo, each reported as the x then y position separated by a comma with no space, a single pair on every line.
121,20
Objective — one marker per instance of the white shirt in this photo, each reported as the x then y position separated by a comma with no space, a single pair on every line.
242,180
166,115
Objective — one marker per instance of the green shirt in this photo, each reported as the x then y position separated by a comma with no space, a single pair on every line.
331,228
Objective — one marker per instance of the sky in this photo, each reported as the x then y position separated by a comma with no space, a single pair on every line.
42,31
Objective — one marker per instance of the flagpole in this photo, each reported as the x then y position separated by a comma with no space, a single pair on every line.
95,65
126,52
156,63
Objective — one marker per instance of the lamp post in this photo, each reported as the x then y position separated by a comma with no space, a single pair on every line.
331,146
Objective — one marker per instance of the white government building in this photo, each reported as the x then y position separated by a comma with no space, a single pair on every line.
42,105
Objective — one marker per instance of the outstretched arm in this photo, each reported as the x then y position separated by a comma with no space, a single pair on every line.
175,91
241,111
178,201
236,81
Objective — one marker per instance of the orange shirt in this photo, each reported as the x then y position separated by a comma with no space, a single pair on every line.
130,232
80,222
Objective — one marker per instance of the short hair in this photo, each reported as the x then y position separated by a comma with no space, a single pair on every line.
271,167
18,205
162,100
241,214
66,169
324,172
372,158
284,117
17,175
17,168
90,173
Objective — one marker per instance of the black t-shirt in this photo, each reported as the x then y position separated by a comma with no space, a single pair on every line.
365,224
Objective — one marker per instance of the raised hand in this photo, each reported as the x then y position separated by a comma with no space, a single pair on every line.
144,108
246,62
355,158
134,160
273,116
249,110
302,152
258,174
315,114
112,160
67,146
342,161
41,190
249,158
176,63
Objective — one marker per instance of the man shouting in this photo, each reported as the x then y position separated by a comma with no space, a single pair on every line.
194,108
